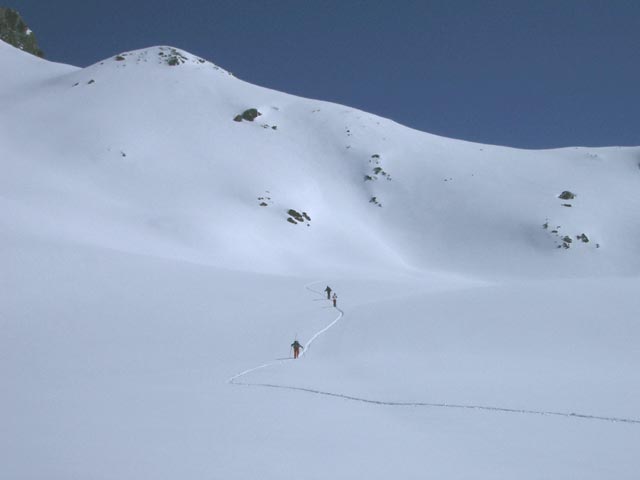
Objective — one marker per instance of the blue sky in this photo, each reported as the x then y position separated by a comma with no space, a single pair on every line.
531,74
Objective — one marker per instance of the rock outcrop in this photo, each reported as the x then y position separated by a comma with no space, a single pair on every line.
15,31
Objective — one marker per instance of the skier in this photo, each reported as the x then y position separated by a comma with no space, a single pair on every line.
328,290
296,348
335,299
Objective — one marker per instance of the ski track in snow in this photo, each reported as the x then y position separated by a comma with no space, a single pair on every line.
233,381
305,347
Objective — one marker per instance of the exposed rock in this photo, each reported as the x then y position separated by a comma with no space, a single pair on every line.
15,31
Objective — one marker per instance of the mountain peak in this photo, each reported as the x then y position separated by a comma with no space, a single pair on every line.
162,55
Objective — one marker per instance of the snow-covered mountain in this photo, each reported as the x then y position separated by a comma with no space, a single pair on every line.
140,152
160,238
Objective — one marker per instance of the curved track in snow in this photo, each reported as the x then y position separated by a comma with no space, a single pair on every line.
449,405
305,347
232,380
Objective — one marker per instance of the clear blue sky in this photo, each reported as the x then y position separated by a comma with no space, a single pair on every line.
532,74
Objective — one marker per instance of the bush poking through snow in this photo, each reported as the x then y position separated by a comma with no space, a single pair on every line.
297,217
567,195
563,240
251,114
173,58
265,200
375,171
583,237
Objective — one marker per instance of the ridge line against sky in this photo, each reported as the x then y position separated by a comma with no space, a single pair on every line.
526,74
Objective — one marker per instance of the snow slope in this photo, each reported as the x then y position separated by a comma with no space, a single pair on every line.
149,154
139,273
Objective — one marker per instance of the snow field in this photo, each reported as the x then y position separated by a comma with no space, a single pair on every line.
138,274
138,386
